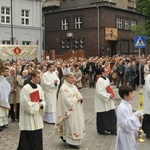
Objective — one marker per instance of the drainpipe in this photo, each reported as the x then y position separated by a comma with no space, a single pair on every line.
98,35
12,35
41,34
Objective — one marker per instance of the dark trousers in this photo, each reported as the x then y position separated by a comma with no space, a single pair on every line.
106,121
133,83
14,115
120,79
91,80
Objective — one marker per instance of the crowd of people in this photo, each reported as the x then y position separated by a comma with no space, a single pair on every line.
56,85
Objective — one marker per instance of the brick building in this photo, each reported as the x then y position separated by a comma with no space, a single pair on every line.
98,30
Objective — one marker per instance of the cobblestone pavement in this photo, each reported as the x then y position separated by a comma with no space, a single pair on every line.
92,141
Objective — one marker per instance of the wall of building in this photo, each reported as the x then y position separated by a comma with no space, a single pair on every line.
31,32
53,30
74,3
111,14
89,31
124,4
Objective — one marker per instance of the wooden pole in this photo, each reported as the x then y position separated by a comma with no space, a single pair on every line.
15,97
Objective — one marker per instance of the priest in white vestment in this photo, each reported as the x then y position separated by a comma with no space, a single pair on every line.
50,83
70,124
4,94
127,121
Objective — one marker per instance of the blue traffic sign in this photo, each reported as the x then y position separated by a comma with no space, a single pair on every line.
139,41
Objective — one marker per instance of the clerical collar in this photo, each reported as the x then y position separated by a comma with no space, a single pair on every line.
103,77
34,86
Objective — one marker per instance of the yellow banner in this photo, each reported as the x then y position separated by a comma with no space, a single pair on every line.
111,34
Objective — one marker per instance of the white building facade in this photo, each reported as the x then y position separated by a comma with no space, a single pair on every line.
23,24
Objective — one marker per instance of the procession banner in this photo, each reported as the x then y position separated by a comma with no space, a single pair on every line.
28,51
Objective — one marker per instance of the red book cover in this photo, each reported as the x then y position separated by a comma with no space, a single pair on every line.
110,90
35,97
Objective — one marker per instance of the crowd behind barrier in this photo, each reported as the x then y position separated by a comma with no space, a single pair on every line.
122,69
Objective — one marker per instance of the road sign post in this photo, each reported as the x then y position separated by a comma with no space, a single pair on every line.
139,42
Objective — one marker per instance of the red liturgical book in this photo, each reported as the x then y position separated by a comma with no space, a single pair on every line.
35,97
109,90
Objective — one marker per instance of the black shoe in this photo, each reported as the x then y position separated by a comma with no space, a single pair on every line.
148,136
52,123
1,128
74,146
49,123
13,120
62,139
5,126
104,133
113,133
17,120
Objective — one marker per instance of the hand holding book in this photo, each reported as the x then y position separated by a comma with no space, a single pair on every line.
110,91
34,96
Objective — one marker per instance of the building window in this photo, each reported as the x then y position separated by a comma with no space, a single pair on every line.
64,24
63,44
76,43
6,42
24,17
67,43
132,47
126,24
78,23
133,23
5,15
125,46
26,42
119,23
79,43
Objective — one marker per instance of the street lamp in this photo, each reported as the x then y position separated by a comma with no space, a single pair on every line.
70,35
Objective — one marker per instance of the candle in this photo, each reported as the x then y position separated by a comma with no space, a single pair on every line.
141,98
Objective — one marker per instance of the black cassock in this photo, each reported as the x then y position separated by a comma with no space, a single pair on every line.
31,140
146,125
106,121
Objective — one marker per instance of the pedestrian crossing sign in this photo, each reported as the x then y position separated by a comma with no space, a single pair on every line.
139,41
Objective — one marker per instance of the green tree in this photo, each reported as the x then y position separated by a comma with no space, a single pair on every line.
143,6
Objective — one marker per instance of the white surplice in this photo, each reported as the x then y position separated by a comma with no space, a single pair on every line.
103,102
4,104
30,112
128,125
50,92
147,95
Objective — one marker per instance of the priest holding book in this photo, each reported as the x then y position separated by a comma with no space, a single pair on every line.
104,106
32,106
